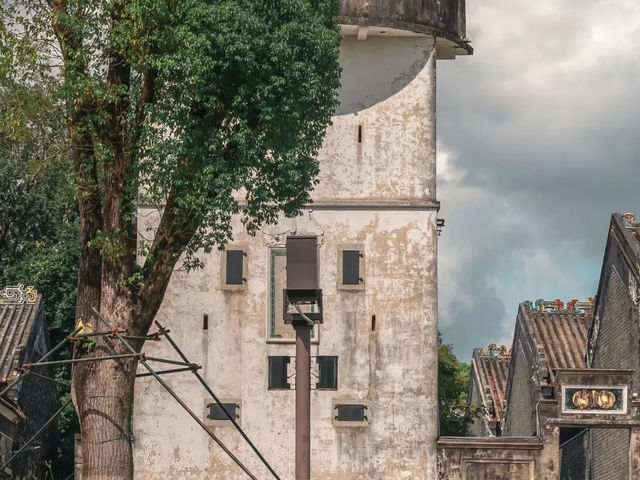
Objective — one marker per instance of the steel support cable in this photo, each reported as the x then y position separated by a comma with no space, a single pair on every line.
179,400
35,435
218,402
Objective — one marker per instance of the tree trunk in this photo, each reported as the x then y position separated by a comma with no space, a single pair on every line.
104,394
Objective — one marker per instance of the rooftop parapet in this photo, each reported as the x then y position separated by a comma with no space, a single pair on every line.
444,19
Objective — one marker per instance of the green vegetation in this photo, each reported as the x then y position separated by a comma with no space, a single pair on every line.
39,223
453,384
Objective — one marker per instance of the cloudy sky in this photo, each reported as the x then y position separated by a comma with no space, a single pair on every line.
539,142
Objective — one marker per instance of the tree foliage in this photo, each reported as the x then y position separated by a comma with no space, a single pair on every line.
453,385
39,225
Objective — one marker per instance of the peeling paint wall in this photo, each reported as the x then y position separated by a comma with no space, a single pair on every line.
378,193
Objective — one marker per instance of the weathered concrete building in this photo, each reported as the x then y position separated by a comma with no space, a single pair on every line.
375,215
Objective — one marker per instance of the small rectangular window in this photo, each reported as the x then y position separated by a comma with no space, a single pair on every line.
235,271
351,267
217,413
351,413
234,268
327,372
214,416
278,373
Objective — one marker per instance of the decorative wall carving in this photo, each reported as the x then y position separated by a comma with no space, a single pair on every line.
303,225
18,295
581,399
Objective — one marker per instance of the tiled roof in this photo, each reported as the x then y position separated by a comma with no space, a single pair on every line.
16,323
562,336
491,373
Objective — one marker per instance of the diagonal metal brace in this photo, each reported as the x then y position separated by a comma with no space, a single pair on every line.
218,402
179,400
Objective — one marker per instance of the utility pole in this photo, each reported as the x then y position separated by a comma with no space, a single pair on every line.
303,400
303,290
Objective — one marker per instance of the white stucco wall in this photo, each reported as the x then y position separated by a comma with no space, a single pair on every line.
380,194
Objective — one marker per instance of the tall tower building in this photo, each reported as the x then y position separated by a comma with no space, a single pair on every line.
374,213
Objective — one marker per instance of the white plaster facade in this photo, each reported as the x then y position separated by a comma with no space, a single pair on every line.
378,193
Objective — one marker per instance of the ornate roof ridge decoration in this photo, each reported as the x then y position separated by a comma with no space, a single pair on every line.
18,295
629,221
495,351
557,306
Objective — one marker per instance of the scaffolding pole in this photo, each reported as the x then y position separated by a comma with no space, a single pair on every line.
162,372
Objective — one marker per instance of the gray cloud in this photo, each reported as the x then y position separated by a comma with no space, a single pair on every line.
538,145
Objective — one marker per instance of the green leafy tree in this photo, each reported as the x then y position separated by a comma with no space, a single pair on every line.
453,384
206,108
39,227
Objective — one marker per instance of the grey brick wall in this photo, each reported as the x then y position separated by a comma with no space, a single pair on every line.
520,419
616,347
574,458
610,453
479,427
617,343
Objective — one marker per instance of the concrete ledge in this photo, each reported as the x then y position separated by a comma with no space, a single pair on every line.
354,205
504,443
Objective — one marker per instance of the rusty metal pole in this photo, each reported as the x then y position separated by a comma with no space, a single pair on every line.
303,400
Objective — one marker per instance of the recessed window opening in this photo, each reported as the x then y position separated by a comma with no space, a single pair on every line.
205,322
359,133
373,323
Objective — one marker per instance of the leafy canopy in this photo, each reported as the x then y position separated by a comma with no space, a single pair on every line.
39,224
213,102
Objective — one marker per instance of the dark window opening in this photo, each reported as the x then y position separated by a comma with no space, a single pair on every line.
278,373
351,413
205,322
327,372
235,267
351,267
216,413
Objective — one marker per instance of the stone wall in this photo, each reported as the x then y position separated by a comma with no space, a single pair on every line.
476,458
610,459
479,427
618,343
616,347
520,414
